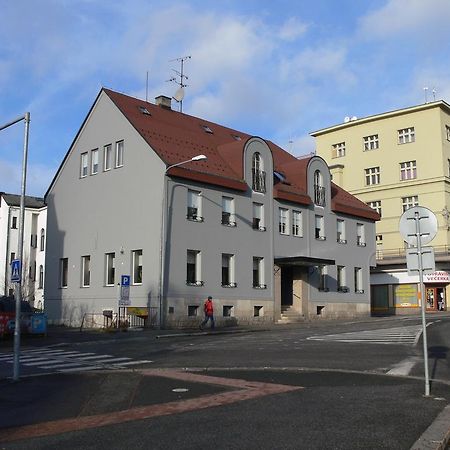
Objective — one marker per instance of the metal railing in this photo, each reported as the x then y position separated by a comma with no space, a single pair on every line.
398,253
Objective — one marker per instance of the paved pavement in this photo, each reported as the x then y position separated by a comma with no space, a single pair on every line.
141,406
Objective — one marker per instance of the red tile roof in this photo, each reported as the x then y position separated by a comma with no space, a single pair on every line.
177,137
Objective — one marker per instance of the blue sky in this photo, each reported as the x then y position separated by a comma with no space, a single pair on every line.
275,69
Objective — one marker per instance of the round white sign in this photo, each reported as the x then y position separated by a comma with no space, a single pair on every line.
427,225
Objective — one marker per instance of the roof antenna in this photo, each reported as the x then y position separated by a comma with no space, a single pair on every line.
434,94
179,94
146,89
425,89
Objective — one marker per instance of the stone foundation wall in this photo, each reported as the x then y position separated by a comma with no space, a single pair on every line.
338,310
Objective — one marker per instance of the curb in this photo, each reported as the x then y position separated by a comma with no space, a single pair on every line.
437,435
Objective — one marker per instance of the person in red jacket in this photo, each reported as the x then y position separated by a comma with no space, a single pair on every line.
209,313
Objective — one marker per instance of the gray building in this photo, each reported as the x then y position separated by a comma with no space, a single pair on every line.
266,234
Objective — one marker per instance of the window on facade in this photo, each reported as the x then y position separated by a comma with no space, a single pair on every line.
408,170
297,223
32,271
63,272
258,273
319,189
376,205
323,278
340,231
136,260
228,217
372,175
341,283
94,161
12,257
193,310
42,244
41,277
283,220
258,174
360,235
14,222
110,268
338,150
406,135
319,228
448,167
33,241
409,202
85,271
228,270
258,217
447,132
227,311
119,153
84,165
107,157
371,142
358,280
193,273
194,204
258,311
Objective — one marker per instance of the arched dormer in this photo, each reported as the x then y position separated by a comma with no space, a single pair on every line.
319,182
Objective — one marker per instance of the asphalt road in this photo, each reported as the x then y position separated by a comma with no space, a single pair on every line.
329,385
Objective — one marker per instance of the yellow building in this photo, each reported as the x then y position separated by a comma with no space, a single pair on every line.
393,161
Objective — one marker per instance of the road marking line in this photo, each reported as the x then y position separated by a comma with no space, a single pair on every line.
403,368
131,363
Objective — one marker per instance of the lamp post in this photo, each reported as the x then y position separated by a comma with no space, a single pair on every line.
18,290
162,247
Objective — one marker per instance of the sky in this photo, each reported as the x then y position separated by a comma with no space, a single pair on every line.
275,69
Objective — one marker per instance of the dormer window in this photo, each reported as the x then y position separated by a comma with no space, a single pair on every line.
258,174
144,110
207,129
319,189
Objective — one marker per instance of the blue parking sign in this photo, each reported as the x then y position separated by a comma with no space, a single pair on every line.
125,280
16,271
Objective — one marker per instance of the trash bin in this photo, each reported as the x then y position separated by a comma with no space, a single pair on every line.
37,323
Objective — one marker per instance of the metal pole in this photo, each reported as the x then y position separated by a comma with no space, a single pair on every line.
18,291
423,306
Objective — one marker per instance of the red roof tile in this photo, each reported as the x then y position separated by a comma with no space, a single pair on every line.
177,137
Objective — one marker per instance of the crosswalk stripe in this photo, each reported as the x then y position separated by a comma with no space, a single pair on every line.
132,363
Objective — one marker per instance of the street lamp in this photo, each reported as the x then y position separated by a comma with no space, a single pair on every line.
162,247
18,290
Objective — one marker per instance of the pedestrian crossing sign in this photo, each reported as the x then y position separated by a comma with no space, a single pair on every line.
16,271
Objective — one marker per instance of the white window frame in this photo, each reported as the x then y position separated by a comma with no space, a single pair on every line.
409,202
107,157
360,235
338,150
323,278
194,257
258,217
319,189
94,161
120,150
42,240
137,266
376,205
373,175
358,280
258,174
408,170
228,216
371,142
84,164
194,206
341,279
340,231
319,228
110,268
406,135
283,221
228,265
258,266
41,277
297,223
63,273
86,271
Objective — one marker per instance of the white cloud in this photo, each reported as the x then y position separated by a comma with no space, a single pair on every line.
427,20
292,29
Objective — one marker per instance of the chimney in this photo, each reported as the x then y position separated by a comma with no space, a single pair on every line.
163,102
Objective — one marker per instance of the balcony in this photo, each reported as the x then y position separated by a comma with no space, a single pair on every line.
398,255
259,180
319,195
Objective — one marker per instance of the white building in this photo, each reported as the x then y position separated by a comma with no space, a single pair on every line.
33,250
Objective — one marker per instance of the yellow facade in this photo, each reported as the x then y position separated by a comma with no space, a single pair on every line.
430,149
393,161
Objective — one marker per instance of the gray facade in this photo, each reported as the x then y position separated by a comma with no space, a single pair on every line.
140,214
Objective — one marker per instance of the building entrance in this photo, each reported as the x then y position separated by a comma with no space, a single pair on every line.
435,298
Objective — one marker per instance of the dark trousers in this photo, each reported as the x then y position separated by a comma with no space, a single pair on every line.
211,317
